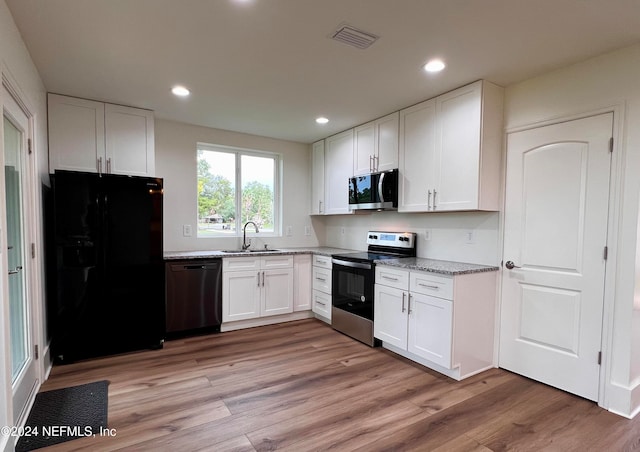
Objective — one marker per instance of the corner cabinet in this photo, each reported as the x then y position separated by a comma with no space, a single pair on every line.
317,178
449,151
255,287
375,145
443,322
338,166
97,137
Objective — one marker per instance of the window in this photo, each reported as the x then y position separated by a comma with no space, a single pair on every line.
236,186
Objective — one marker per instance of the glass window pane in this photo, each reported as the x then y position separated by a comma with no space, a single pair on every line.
216,193
257,176
17,301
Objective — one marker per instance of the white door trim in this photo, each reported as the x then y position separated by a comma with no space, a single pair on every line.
34,278
615,209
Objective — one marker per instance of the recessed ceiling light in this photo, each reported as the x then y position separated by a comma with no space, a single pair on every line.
180,91
322,120
434,66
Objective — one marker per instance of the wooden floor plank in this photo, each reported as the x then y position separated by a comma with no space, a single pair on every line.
301,386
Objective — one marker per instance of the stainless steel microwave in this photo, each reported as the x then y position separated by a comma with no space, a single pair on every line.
375,191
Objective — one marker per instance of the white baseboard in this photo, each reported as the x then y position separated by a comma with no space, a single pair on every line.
623,400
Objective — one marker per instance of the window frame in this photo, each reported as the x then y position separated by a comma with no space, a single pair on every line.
238,152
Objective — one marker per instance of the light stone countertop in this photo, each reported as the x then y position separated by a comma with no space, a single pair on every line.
186,255
437,266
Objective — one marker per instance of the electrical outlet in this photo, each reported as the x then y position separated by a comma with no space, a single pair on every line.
307,230
470,237
342,230
427,234
289,232
186,230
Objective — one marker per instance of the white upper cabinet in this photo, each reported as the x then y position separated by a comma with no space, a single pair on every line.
338,168
417,157
376,145
76,134
129,140
450,151
91,136
317,178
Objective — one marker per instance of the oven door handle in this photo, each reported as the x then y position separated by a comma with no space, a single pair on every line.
351,264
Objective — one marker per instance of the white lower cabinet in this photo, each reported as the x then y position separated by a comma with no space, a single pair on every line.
302,282
321,283
443,322
265,290
429,334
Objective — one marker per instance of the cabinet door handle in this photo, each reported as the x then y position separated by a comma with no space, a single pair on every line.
410,304
403,296
434,199
321,279
321,262
389,278
428,199
371,163
258,275
109,165
262,279
429,286
320,303
319,206
376,163
99,165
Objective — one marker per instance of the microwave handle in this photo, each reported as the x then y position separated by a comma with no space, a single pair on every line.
380,182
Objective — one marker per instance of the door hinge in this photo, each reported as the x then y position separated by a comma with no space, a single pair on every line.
29,145
599,358
36,351
33,251
605,254
611,144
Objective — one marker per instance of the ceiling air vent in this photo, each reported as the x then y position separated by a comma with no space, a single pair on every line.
354,37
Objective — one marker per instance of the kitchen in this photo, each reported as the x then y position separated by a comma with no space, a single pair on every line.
602,83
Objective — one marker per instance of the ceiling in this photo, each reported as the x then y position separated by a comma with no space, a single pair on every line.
268,67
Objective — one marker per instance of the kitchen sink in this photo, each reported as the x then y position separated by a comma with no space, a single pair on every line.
249,251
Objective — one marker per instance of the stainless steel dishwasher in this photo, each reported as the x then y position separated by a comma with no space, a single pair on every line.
194,296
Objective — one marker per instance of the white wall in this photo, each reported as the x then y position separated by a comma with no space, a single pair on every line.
611,80
176,164
18,66
448,233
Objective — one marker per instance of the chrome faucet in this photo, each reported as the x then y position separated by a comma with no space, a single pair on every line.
246,245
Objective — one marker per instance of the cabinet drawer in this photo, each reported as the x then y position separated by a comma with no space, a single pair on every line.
429,284
322,279
281,261
392,277
322,261
322,304
240,263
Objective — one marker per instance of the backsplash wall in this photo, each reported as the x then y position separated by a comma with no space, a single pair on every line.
449,233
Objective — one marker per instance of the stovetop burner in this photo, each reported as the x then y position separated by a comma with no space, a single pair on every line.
383,246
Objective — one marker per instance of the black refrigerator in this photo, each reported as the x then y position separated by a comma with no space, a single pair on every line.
107,291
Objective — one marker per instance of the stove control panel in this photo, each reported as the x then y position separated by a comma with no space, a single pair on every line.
392,239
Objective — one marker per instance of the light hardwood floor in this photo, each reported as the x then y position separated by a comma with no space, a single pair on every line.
301,386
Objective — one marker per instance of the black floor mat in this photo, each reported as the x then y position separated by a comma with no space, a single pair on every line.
65,414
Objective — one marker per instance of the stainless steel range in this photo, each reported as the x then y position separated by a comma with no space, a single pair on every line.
354,278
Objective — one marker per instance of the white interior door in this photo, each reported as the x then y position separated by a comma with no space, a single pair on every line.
17,221
556,204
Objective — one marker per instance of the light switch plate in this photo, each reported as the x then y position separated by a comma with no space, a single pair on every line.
289,231
186,230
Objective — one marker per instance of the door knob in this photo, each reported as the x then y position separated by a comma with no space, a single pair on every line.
510,265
